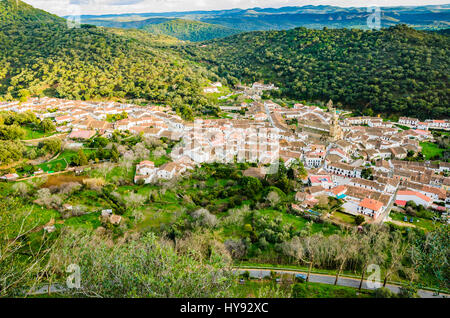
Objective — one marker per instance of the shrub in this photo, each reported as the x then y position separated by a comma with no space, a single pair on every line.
203,218
383,293
359,219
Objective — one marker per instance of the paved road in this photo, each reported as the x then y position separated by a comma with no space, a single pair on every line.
329,279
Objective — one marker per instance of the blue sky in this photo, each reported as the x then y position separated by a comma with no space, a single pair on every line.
66,7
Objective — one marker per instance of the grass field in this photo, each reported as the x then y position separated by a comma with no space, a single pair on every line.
215,96
343,217
258,289
422,223
36,217
431,150
33,134
159,161
87,221
63,160
299,222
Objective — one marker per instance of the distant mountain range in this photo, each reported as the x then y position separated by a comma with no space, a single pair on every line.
226,22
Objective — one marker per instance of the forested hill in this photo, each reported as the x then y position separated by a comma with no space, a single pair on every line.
392,71
189,30
12,11
93,63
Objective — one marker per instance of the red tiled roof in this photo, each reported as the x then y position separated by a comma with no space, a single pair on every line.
371,204
320,179
339,190
414,193
82,134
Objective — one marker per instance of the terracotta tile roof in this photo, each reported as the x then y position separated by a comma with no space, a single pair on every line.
414,193
371,204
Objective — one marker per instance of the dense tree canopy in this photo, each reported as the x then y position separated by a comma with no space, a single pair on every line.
38,58
397,70
189,30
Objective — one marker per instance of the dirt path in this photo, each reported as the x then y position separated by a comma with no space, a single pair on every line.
36,141
44,175
399,223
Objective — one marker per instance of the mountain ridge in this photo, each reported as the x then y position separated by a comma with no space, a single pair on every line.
421,17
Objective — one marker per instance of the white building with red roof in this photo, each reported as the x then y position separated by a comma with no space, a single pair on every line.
370,207
418,198
10,177
325,181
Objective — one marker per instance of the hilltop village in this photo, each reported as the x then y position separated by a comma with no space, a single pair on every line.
359,160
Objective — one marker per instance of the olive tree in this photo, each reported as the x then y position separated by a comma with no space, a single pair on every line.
140,267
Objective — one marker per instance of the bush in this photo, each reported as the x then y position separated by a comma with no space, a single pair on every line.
315,290
383,293
203,218
359,219
236,248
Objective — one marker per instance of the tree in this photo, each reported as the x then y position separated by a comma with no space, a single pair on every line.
114,154
314,246
20,272
273,198
202,217
251,186
397,250
330,104
236,248
52,145
344,248
431,254
141,266
104,169
305,250
134,200
21,188
367,173
359,219
81,159
371,248
47,126
383,293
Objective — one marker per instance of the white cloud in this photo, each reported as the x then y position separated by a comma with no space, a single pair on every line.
62,7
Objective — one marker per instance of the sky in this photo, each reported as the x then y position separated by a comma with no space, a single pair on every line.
97,7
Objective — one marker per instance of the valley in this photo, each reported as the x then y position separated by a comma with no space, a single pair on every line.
224,154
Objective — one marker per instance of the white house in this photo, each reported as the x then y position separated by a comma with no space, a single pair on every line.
406,195
324,181
370,207
408,121
145,171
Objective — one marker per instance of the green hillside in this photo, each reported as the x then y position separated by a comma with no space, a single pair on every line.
39,59
189,30
12,11
398,70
